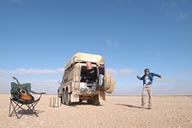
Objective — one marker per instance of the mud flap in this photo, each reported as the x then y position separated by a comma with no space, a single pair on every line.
74,98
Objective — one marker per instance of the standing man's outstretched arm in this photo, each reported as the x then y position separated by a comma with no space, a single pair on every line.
157,75
140,78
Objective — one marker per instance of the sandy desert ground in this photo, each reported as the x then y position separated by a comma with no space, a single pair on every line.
115,112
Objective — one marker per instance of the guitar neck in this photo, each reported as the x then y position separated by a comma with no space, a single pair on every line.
18,83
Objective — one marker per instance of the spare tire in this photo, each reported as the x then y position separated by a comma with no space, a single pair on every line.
109,83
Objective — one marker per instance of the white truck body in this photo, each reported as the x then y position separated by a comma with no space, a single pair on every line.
85,79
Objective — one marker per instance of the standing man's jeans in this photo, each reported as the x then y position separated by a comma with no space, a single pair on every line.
149,91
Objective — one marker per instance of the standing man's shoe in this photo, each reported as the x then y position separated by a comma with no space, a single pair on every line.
150,106
142,105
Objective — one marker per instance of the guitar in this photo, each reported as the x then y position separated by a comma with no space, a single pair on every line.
23,93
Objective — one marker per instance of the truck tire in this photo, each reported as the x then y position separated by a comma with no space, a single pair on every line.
63,98
90,101
67,98
80,100
110,83
96,100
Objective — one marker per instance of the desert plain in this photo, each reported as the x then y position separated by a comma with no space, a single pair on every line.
115,112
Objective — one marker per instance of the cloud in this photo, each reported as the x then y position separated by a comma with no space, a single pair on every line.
125,71
183,15
111,43
48,86
165,86
177,8
174,81
157,90
170,3
112,71
188,72
47,83
173,90
128,90
2,71
4,88
32,71
17,1
120,72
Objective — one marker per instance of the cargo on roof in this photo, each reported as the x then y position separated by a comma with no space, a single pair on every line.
85,57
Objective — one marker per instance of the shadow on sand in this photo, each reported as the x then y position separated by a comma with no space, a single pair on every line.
26,112
23,112
82,103
132,106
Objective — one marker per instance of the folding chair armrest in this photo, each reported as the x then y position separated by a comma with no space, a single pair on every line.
37,92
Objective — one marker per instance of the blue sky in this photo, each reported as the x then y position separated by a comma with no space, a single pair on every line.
38,37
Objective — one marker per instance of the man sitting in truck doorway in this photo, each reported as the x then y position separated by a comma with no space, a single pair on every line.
83,79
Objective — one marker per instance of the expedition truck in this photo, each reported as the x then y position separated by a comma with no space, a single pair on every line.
85,79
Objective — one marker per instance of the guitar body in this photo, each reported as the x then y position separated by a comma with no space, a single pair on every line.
24,95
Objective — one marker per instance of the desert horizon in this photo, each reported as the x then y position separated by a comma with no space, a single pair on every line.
136,95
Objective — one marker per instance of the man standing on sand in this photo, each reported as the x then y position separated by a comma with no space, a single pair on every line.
147,86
